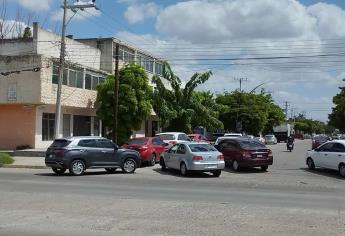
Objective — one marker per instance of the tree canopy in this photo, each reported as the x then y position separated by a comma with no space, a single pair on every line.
337,117
182,108
255,112
134,101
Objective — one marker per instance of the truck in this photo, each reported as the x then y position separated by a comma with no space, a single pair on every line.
283,131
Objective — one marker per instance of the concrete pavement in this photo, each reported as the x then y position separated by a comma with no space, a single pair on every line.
286,200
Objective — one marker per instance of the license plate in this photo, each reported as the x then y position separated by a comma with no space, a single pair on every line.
211,166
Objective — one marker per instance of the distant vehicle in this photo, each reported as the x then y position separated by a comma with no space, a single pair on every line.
227,137
330,155
215,136
260,139
282,132
233,135
80,153
198,138
318,140
173,137
149,148
193,157
245,153
270,139
307,136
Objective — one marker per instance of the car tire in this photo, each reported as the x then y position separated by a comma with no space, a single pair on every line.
129,166
311,165
342,170
183,169
77,167
152,161
110,170
235,166
162,163
59,171
216,173
264,168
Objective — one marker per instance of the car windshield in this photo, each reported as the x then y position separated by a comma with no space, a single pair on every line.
201,148
138,141
166,136
269,137
58,143
251,144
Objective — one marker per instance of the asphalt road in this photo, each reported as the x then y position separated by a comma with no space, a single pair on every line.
288,199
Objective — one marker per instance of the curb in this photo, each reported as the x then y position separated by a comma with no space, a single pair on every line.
23,166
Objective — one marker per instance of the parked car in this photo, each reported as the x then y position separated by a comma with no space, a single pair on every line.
173,137
198,138
233,135
149,148
330,155
307,136
318,140
193,157
242,152
225,137
80,153
270,139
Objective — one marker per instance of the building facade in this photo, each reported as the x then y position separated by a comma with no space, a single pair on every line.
28,87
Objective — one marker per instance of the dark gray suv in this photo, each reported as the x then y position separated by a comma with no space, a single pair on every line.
80,153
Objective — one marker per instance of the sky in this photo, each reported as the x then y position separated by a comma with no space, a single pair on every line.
295,48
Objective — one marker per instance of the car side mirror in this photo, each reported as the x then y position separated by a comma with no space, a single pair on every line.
316,150
166,144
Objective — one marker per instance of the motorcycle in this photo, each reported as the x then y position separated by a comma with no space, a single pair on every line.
289,146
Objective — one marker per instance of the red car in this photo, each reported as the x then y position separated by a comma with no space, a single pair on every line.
149,148
242,152
198,138
318,140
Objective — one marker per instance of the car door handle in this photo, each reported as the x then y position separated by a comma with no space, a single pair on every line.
339,155
104,151
82,150
326,154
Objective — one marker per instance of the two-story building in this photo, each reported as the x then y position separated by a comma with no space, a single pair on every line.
28,88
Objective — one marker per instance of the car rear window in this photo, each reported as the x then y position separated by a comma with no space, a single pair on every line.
59,143
183,137
201,148
166,136
138,141
251,144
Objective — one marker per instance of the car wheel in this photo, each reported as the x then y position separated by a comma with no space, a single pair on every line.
216,173
129,166
310,163
162,163
342,170
77,167
235,166
264,168
59,171
183,169
153,160
110,170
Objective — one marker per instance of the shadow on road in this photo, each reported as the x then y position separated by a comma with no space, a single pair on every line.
176,173
91,173
325,172
245,170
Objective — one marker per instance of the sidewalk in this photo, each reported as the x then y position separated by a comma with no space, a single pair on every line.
27,162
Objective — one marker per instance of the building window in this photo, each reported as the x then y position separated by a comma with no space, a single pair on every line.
66,125
48,126
12,92
55,77
76,78
95,126
126,54
94,82
88,79
158,68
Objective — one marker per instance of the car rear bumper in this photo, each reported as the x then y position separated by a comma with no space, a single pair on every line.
56,163
255,163
205,167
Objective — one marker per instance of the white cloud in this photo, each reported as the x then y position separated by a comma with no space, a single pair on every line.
35,5
139,12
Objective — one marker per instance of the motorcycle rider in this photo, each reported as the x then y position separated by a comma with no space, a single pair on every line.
290,141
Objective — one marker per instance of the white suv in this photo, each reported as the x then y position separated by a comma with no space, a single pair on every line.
174,137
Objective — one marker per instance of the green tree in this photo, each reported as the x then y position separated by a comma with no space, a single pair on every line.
337,117
177,106
27,33
256,112
134,101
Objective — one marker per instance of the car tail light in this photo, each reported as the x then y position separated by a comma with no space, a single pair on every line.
220,158
197,158
270,154
143,148
246,154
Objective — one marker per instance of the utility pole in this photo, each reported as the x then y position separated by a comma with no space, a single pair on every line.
286,109
116,94
239,123
74,8
241,80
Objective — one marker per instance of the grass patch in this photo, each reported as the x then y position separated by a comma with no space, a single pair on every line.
5,159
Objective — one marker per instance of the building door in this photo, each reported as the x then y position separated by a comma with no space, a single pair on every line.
81,125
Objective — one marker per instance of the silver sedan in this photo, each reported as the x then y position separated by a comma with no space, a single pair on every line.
193,157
